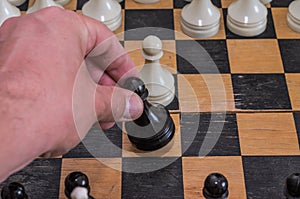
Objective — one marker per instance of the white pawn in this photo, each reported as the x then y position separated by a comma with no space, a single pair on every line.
62,2
158,80
146,1
39,4
200,19
16,2
265,1
247,17
7,10
108,12
293,16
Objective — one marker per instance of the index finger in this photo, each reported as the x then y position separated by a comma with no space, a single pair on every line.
105,53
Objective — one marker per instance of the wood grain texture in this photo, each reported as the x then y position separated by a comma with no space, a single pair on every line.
293,82
205,93
196,169
254,56
283,31
267,134
104,175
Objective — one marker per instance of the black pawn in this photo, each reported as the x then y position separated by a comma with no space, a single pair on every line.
292,186
155,128
215,186
14,191
76,179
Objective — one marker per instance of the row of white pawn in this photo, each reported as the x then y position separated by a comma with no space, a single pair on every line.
199,19
106,11
248,18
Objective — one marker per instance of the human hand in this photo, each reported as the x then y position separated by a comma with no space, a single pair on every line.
49,97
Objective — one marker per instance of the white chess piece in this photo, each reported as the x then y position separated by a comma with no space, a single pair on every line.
293,16
16,2
200,19
62,2
158,80
107,11
79,193
39,4
146,1
7,10
247,17
265,1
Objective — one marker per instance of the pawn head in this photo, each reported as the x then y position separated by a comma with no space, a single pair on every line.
152,48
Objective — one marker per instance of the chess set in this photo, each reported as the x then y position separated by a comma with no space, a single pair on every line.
235,111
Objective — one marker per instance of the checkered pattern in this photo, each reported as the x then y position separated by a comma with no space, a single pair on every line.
258,104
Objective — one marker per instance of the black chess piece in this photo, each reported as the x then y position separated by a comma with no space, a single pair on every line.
292,186
215,186
155,127
14,191
76,179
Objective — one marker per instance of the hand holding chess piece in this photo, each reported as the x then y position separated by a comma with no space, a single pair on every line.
53,60
155,128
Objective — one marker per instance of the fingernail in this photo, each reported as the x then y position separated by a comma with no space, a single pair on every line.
135,107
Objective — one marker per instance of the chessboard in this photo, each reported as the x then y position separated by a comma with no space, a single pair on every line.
236,113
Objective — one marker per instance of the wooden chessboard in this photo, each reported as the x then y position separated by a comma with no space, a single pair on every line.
257,106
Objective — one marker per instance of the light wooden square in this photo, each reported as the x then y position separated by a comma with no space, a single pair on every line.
254,56
105,181
172,149
179,35
283,31
267,134
196,169
168,60
205,93
165,4
293,83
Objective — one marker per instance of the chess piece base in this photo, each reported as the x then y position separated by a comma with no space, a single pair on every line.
155,141
293,16
199,32
109,12
246,30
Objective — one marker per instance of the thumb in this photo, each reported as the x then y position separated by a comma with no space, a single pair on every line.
117,104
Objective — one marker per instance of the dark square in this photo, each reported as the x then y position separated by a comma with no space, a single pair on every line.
182,3
265,176
209,56
215,135
141,23
268,33
297,122
24,6
174,105
99,144
290,50
260,91
280,3
165,183
41,178
80,3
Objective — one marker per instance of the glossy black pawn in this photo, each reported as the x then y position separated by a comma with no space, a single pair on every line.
14,191
155,128
292,186
215,186
76,179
